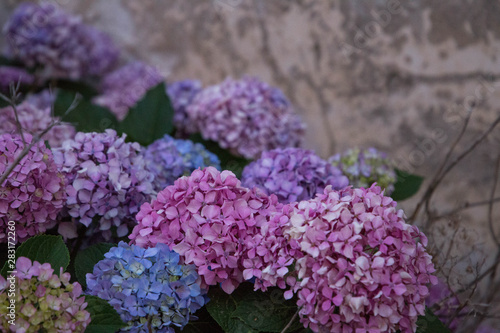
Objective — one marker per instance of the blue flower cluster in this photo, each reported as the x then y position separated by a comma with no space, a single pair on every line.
170,158
150,290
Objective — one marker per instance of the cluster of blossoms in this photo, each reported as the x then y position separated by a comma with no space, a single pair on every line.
444,310
246,116
147,287
13,75
181,94
211,221
106,179
124,87
43,99
45,301
33,193
169,159
365,167
364,268
35,120
43,35
293,174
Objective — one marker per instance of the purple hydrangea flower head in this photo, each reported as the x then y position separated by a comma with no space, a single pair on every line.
211,221
43,99
170,158
33,193
35,120
149,288
364,268
365,167
43,35
13,75
107,179
293,174
181,94
124,87
246,116
44,301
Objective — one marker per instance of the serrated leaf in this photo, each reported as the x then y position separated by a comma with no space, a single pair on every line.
86,117
430,323
406,185
104,318
151,118
44,249
228,161
86,260
246,310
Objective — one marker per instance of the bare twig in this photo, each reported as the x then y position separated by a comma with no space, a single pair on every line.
467,205
12,101
492,198
290,322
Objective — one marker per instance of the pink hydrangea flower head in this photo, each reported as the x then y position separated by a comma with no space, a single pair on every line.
364,268
35,120
44,35
246,116
44,300
293,174
107,179
33,193
124,87
211,221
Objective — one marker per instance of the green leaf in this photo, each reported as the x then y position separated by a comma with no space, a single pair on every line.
151,118
246,310
104,318
430,323
86,117
86,260
228,161
406,185
44,249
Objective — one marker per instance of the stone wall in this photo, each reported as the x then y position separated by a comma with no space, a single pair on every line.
396,75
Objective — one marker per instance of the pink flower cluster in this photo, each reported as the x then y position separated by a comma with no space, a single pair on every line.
34,120
107,179
212,222
364,269
44,300
246,116
33,193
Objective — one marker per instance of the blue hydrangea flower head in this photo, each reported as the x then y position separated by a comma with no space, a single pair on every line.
170,158
149,288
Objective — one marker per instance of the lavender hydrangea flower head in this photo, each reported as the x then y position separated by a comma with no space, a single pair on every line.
44,301
211,221
365,167
43,35
364,268
149,288
181,94
124,87
43,99
107,179
13,75
35,120
33,193
170,158
293,174
246,116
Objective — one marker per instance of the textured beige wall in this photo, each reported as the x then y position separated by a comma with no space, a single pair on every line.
397,75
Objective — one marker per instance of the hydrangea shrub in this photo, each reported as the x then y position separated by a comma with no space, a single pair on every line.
293,174
181,95
34,192
44,301
12,76
149,288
